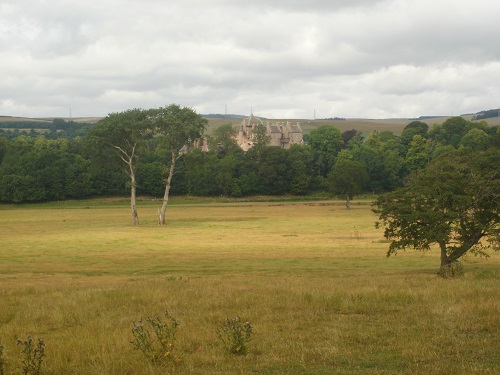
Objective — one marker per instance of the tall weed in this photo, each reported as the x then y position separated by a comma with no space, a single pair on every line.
235,335
155,338
32,356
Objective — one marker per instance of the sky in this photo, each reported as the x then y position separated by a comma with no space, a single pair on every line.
278,59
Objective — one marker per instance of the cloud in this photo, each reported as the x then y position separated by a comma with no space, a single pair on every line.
285,58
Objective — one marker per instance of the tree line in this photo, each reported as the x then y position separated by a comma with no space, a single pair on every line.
440,185
57,128
147,144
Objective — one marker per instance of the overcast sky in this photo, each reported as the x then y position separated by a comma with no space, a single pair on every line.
283,59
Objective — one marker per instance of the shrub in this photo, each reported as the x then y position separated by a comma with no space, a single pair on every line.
33,356
235,335
155,338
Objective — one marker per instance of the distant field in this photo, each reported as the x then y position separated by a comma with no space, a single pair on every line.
310,276
76,119
6,119
364,125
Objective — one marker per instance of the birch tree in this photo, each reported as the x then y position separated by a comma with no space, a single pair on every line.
177,127
123,132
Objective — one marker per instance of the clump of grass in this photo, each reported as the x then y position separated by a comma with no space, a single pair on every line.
452,270
155,338
32,356
235,335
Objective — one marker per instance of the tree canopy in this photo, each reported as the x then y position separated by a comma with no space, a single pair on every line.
123,132
454,203
177,127
347,178
326,142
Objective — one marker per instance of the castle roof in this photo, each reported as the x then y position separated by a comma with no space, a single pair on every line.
252,119
275,129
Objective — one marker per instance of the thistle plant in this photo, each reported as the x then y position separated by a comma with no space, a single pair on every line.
235,335
155,338
33,356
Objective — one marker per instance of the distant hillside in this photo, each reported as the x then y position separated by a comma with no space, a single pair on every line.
231,116
364,125
395,125
12,127
215,120
490,113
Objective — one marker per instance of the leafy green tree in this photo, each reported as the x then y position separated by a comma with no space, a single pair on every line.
418,155
453,130
39,169
123,132
177,127
476,139
494,134
245,184
20,188
202,173
244,181
347,178
261,137
454,203
352,135
78,181
382,160
4,145
414,128
150,178
326,142
226,170
223,140
272,171
300,161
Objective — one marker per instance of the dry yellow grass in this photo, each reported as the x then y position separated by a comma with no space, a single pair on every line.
312,279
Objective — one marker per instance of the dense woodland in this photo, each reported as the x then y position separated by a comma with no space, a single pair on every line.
67,163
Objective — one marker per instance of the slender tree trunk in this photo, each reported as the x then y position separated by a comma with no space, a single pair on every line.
163,209
135,216
347,202
131,159
445,261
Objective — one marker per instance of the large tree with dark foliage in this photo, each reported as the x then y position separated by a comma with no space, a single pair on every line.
454,203
412,129
348,178
326,142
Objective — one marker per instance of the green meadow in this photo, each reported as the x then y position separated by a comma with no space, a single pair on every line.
310,276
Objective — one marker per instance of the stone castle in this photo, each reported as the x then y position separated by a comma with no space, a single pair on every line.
281,134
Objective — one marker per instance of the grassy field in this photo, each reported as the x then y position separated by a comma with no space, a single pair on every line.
311,277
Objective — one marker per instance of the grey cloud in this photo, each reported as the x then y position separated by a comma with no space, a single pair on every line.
287,5
46,32
345,58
